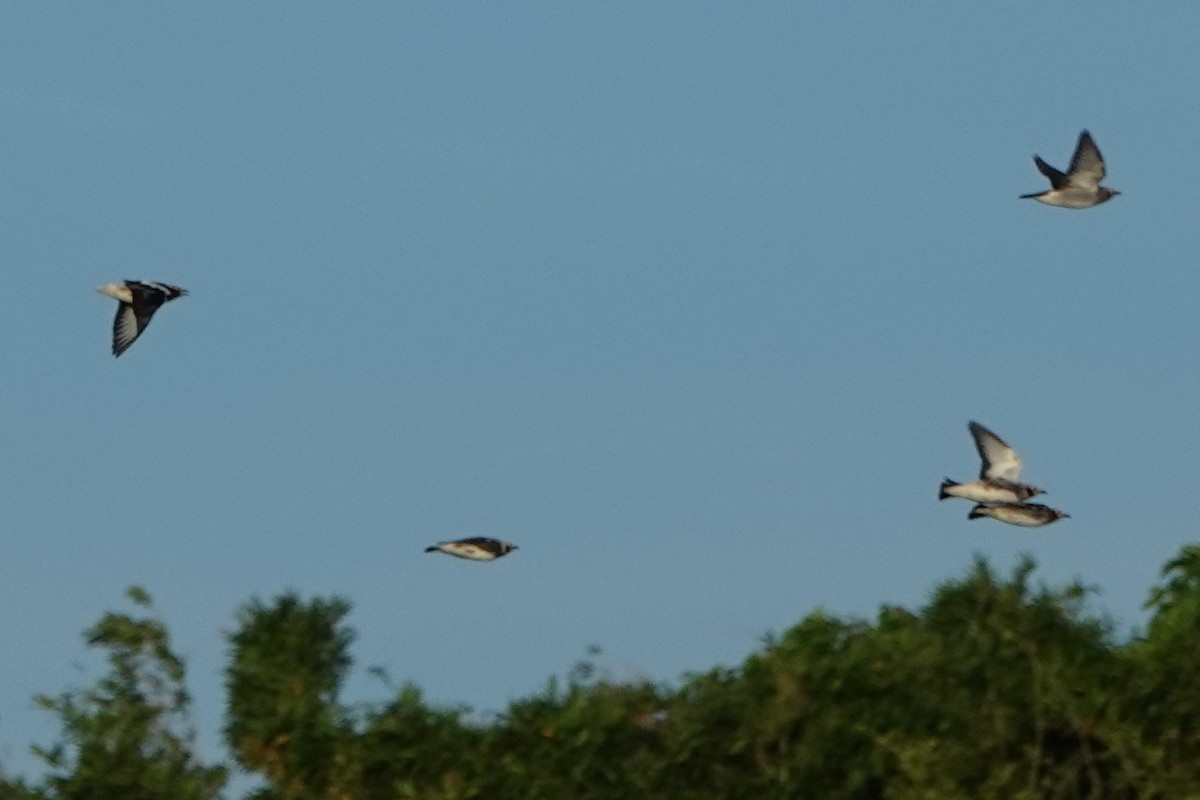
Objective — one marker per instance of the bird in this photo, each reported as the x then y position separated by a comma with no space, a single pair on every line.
999,476
1080,186
476,548
138,302
1027,515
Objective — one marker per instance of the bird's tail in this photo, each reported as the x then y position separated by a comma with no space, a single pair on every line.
976,513
946,484
1029,196
431,549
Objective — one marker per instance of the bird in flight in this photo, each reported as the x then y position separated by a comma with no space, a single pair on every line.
476,548
138,301
999,476
1027,515
1079,186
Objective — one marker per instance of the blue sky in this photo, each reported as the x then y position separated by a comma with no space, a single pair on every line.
692,302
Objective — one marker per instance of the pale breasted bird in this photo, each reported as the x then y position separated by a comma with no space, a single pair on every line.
1027,515
476,548
999,476
138,302
1080,186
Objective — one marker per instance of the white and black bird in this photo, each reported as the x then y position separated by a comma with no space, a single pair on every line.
476,548
999,477
138,302
1079,186
1027,515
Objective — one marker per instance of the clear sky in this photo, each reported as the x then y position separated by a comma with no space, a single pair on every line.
693,302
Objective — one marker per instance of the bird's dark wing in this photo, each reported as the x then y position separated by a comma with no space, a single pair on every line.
1057,179
147,298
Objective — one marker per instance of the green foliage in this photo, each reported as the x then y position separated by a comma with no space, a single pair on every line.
406,749
128,737
16,789
1155,721
997,689
288,662
591,738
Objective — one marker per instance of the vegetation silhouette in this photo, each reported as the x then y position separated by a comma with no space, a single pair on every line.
997,689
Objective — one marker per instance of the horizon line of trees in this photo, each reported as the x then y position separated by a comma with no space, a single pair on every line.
996,689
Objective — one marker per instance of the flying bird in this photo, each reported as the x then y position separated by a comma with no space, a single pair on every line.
476,548
1080,186
999,477
1027,515
138,302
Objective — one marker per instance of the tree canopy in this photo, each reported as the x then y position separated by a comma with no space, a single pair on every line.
999,688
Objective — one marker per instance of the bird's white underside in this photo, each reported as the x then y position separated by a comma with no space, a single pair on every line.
983,492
